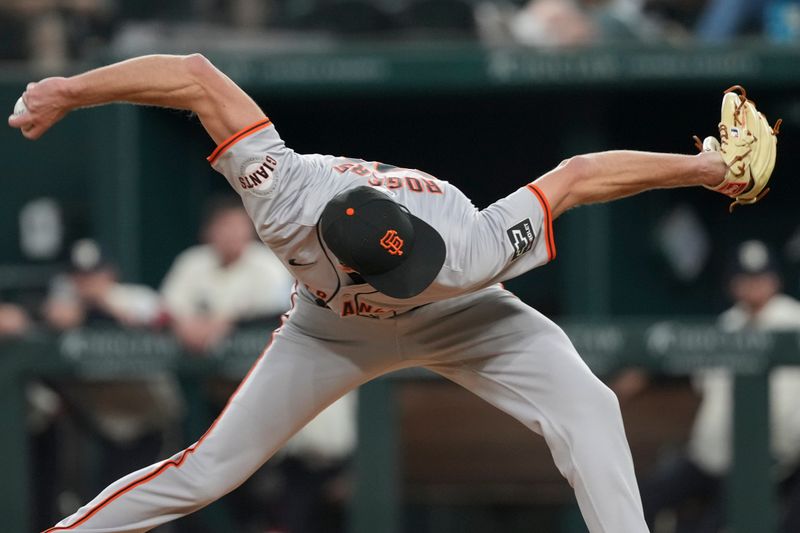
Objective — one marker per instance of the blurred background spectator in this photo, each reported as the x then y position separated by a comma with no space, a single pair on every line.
229,279
232,280
14,321
130,421
568,23
91,293
51,33
698,476
43,406
722,20
315,466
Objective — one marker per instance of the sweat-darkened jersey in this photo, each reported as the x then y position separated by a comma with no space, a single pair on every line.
285,192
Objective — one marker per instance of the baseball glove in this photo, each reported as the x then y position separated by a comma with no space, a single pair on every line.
748,145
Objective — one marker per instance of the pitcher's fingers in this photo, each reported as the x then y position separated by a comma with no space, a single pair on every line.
33,132
20,121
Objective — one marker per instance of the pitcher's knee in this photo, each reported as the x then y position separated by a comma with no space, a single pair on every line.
206,480
601,403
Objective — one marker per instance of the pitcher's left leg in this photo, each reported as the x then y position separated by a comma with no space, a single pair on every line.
524,364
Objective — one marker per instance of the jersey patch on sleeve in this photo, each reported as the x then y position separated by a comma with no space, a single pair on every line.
257,175
521,237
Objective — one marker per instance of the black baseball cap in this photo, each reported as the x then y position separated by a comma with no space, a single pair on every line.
394,251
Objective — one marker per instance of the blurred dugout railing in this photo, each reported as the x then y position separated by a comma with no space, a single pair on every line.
674,348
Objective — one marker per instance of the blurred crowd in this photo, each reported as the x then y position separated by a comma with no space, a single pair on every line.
227,281
52,33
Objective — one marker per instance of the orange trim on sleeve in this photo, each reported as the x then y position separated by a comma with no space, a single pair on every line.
186,453
236,137
548,221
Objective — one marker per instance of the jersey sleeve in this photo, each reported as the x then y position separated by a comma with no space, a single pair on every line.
515,235
277,185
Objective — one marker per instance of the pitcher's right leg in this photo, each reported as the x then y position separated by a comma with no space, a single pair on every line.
518,360
296,378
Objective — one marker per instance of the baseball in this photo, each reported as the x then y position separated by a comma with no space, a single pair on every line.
19,107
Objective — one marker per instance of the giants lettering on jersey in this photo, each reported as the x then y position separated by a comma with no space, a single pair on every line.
349,307
521,236
257,175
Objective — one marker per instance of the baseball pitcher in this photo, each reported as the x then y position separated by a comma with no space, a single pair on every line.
395,269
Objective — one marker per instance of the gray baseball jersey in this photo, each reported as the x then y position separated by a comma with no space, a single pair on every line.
471,332
285,192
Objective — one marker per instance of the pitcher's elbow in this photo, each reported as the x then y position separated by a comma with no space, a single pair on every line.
197,64
575,171
201,76
577,167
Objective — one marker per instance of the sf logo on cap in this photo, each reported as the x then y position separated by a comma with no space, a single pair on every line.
392,243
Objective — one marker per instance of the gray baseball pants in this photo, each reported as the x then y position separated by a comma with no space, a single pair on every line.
488,341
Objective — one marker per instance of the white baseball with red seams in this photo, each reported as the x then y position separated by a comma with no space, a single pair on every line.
342,333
